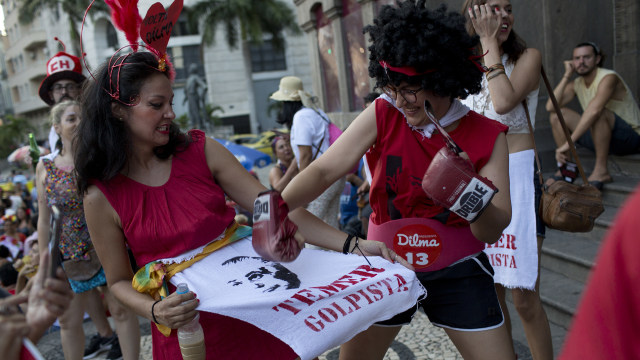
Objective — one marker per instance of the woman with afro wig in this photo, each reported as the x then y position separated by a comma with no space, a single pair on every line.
513,76
423,60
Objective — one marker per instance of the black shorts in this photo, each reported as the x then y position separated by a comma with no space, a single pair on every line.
624,140
541,230
460,297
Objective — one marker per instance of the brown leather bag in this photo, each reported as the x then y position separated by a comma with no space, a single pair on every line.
565,206
80,269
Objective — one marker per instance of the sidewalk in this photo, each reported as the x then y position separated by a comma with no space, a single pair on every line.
416,341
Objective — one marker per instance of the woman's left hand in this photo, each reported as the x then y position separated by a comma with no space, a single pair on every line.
485,21
377,248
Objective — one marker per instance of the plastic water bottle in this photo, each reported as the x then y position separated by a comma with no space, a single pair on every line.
191,336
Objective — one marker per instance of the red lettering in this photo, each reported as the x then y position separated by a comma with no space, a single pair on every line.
353,300
377,294
327,290
361,292
511,242
305,296
317,327
513,263
402,283
340,309
294,310
325,317
344,282
386,283
64,64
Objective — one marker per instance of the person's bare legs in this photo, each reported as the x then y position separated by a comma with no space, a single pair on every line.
370,344
71,331
601,134
494,344
534,318
127,326
570,117
94,307
502,299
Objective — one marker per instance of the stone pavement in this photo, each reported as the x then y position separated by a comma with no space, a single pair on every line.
416,341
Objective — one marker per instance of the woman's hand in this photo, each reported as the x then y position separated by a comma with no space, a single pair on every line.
377,248
176,309
13,327
485,21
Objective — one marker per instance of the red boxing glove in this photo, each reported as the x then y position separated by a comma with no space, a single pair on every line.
452,183
273,232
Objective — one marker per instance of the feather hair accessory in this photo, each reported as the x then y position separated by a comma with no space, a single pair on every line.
154,30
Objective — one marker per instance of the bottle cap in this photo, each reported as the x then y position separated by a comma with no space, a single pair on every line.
182,288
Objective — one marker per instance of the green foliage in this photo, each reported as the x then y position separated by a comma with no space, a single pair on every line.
14,132
244,20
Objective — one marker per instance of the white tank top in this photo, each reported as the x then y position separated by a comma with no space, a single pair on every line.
515,119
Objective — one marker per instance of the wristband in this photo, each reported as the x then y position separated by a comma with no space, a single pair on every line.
494,74
345,247
152,314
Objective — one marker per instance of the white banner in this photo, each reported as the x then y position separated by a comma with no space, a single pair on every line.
319,301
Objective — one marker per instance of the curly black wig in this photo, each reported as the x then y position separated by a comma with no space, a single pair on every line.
102,143
432,41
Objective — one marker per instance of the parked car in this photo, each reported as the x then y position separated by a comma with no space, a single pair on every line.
260,142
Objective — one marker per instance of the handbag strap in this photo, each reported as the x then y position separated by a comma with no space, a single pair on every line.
533,140
567,135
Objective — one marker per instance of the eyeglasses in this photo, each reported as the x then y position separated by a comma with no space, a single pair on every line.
410,96
68,87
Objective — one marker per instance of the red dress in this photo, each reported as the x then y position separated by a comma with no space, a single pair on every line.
188,211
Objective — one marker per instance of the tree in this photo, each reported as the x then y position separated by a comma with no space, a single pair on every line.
14,132
244,20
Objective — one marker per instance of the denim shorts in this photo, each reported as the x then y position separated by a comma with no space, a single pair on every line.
624,140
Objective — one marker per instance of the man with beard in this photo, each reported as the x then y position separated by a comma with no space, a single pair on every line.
63,82
610,120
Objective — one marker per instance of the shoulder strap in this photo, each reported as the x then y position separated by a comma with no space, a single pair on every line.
533,140
572,146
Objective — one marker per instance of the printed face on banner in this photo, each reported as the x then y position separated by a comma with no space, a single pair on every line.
419,244
263,275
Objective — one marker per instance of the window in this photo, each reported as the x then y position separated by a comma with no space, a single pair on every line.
182,28
112,37
182,57
265,57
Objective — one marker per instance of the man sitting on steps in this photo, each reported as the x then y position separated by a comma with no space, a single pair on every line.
610,120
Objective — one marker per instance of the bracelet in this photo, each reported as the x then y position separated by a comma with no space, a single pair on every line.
496,73
152,314
345,247
355,246
494,67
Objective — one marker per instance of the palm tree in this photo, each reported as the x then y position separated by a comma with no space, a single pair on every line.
244,22
74,9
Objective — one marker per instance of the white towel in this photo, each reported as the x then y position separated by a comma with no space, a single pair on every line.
319,301
515,256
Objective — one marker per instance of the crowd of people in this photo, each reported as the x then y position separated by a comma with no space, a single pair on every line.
145,206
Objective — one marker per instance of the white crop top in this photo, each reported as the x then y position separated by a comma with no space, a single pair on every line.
515,119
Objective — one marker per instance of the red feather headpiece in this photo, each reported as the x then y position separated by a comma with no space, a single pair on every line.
126,18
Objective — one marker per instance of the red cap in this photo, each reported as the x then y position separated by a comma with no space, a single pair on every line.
61,66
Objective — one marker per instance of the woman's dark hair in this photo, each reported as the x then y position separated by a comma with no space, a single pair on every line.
431,41
289,108
514,46
102,144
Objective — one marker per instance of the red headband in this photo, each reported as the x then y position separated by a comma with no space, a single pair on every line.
407,70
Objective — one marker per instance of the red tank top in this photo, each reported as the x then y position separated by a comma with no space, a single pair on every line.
188,211
401,155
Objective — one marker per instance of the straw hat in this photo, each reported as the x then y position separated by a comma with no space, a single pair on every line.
291,89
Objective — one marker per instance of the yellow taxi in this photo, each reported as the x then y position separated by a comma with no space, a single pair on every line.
260,142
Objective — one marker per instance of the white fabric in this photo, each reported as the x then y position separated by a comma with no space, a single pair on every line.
53,139
337,297
456,111
515,119
515,256
309,129
327,205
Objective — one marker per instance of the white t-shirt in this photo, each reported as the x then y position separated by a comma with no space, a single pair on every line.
308,129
